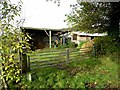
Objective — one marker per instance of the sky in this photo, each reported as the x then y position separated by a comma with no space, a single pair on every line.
42,14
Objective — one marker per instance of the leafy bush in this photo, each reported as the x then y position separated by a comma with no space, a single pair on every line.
62,46
11,42
68,44
54,78
106,45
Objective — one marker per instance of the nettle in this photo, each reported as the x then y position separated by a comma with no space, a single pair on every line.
12,39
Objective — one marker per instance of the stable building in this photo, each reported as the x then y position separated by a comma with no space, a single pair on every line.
43,37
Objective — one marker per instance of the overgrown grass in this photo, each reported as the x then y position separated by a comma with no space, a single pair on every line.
84,73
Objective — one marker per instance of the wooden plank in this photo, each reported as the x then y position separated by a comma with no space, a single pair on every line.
47,65
40,62
50,53
43,61
46,59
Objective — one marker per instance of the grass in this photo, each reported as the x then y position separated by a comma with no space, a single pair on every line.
80,73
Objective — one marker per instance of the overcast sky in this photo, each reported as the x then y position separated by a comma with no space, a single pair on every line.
42,14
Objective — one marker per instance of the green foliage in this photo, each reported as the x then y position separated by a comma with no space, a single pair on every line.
11,72
71,44
80,45
98,17
90,73
11,42
106,45
62,46
95,17
68,44
89,16
48,78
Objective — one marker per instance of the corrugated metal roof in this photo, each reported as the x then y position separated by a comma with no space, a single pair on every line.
32,28
67,35
89,34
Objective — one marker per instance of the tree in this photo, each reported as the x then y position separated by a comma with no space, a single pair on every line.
100,17
114,30
11,42
96,17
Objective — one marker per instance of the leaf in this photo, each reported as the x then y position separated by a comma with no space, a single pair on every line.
17,80
50,81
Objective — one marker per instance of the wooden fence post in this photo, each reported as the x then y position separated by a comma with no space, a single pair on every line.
24,63
67,54
50,39
23,60
28,63
94,50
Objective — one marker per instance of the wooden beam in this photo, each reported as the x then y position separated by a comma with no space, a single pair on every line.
50,38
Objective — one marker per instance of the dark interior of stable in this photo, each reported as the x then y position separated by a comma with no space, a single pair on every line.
40,38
